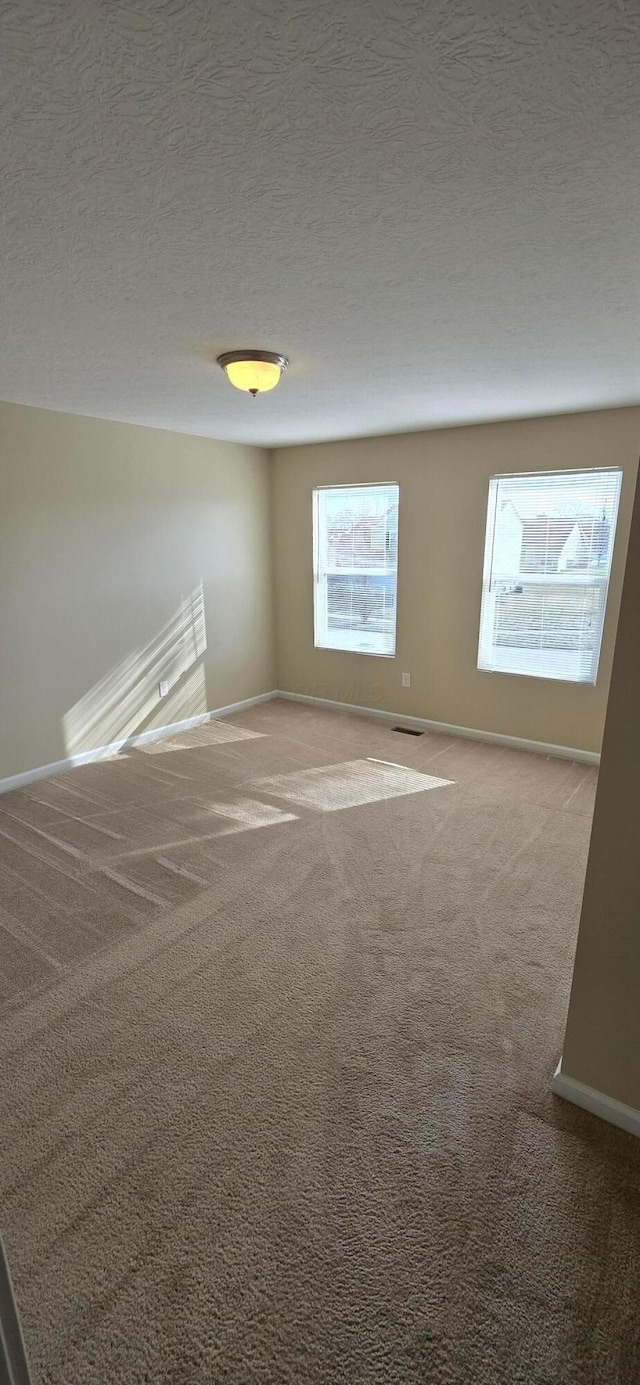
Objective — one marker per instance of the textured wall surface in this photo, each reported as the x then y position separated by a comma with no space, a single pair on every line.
602,1042
432,208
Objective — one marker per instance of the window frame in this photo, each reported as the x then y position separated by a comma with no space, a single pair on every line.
601,582
320,587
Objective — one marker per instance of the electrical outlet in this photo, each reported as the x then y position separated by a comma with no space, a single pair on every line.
163,688
406,680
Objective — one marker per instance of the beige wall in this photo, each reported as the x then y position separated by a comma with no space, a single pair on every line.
443,478
602,1042
124,551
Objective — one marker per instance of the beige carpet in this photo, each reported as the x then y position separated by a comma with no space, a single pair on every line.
281,1001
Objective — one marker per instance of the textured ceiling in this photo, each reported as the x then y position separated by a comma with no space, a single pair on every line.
432,206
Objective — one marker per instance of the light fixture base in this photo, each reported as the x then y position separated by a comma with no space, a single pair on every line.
271,357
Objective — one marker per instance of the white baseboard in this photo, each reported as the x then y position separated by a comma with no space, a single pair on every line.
102,752
598,1103
565,752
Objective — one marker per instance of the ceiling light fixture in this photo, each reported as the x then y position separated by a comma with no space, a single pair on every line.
253,371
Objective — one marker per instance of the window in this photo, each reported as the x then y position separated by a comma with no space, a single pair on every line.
355,551
546,572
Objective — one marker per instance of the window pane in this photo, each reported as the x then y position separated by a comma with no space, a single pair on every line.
548,551
355,558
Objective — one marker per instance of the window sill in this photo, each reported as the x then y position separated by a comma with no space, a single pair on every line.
365,653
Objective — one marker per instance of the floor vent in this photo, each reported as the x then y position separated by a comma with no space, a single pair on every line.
407,730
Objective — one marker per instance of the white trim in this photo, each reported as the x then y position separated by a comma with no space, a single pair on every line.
564,752
101,752
598,1103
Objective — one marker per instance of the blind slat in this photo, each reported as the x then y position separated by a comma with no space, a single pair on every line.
548,549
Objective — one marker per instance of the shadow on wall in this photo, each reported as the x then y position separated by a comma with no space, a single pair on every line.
125,702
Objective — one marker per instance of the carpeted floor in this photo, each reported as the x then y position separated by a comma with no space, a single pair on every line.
281,1002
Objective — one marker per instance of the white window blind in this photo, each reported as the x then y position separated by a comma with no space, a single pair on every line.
548,552
355,542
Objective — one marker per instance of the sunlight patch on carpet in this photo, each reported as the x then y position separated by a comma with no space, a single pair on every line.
348,785
209,733
251,812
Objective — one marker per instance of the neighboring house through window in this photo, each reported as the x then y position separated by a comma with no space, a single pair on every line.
355,536
548,550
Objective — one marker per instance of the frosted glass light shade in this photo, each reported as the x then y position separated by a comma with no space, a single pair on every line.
253,371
